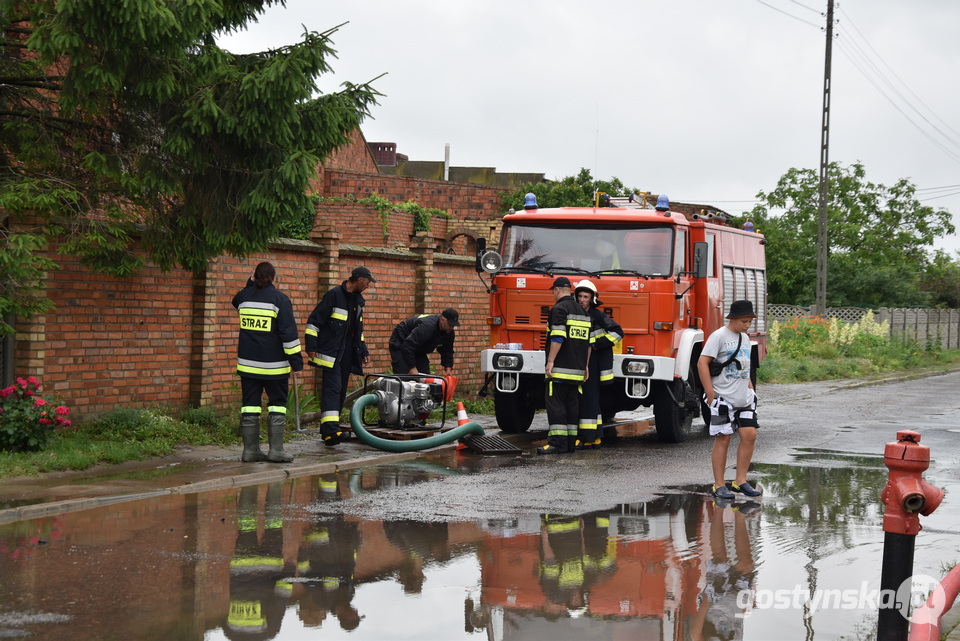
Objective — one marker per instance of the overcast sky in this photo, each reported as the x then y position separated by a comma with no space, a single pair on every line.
708,101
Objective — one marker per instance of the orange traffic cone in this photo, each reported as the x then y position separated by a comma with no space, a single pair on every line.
461,420
461,414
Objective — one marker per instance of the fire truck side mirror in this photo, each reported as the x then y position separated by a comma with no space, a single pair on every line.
481,249
700,259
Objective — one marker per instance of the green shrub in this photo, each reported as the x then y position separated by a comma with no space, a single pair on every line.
200,416
813,349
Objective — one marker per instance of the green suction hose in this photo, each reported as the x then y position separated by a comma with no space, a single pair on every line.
356,420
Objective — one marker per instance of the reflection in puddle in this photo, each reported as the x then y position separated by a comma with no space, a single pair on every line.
281,561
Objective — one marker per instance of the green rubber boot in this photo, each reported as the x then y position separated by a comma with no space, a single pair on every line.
250,433
278,423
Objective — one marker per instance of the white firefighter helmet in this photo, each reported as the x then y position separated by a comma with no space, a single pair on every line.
586,285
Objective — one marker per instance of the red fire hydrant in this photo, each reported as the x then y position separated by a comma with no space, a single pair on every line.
906,496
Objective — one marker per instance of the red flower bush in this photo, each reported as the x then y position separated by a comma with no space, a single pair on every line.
27,420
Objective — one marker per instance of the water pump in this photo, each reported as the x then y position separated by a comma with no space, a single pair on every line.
406,404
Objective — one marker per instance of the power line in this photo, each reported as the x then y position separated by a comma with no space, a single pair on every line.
862,61
938,188
790,15
947,195
905,86
872,81
816,11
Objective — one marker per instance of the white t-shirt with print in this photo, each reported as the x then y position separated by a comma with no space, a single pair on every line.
732,383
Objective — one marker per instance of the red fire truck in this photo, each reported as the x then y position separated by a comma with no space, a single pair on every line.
668,278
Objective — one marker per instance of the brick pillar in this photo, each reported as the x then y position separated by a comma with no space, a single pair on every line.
29,355
423,245
328,276
328,264
203,331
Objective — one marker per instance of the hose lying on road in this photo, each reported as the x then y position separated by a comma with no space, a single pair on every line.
356,420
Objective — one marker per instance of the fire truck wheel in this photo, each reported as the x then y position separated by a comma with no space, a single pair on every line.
673,410
514,411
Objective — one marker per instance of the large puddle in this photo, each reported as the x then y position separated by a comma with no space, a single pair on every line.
285,561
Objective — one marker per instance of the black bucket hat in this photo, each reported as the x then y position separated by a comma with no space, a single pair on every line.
741,309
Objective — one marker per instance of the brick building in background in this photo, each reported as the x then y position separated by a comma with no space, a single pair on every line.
170,338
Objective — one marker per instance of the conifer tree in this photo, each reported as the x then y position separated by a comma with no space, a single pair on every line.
125,123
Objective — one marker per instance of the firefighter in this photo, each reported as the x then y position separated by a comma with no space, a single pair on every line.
606,334
327,562
415,338
261,580
267,350
561,573
334,339
568,353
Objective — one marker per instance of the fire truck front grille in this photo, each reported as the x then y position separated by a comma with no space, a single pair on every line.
541,340
544,314
521,320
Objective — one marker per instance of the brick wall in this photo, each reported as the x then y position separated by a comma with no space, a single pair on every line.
354,156
461,200
170,339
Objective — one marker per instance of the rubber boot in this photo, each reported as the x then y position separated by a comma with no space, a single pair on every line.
586,438
572,443
555,445
250,433
332,434
278,422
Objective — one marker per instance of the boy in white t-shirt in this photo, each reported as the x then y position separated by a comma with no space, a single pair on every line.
730,395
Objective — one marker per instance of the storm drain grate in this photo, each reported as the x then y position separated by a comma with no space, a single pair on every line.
490,445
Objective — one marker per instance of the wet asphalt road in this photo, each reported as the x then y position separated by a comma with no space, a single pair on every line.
795,421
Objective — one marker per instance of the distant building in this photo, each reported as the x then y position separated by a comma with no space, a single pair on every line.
391,163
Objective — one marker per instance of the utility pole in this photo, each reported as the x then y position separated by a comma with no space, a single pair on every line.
822,242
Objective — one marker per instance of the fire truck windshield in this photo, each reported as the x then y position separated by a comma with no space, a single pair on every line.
644,251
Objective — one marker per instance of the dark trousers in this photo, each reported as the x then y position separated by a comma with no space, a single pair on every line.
590,405
253,389
401,367
563,414
333,391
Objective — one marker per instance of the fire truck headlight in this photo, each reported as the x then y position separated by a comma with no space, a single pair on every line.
508,361
491,262
635,367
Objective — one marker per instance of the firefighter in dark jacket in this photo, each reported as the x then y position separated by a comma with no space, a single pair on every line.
415,338
267,350
334,339
568,353
606,334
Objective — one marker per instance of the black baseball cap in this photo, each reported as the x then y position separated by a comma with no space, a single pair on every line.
452,316
562,281
363,272
741,309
